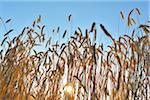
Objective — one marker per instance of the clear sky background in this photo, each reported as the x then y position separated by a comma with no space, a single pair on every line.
54,14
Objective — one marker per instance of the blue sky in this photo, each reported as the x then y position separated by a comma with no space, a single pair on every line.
54,14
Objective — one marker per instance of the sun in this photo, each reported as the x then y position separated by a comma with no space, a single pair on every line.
69,89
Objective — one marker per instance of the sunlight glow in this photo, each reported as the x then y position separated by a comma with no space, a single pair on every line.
69,89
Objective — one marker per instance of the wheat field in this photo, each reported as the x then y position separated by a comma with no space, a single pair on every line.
78,69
